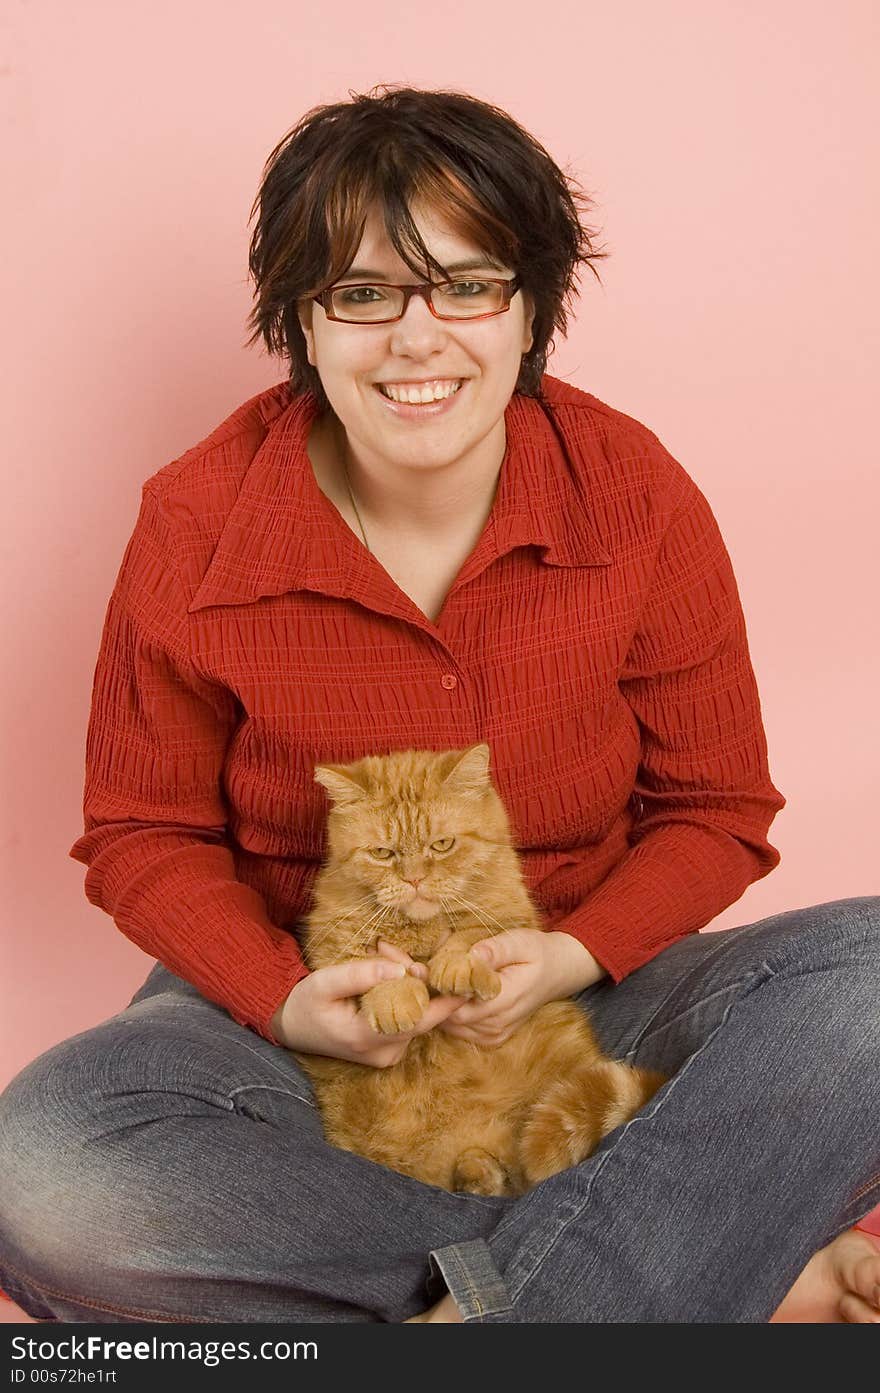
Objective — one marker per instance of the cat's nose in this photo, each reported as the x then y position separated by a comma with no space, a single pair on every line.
415,881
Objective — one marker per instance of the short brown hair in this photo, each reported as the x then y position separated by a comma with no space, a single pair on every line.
491,179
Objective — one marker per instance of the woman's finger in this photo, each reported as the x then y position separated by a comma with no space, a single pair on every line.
498,1010
353,977
439,1008
391,950
384,949
477,1037
855,1311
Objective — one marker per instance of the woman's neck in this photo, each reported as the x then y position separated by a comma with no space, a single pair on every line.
392,499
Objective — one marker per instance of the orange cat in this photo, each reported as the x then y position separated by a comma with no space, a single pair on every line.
486,1120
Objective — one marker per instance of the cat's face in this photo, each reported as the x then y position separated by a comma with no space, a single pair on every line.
415,832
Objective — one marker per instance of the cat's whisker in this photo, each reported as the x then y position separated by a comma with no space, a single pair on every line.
357,908
450,896
482,913
478,912
449,909
370,928
368,898
364,935
318,937
334,924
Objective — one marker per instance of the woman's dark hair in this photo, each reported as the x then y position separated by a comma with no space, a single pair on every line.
490,179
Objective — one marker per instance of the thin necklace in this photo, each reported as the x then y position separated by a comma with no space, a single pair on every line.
355,506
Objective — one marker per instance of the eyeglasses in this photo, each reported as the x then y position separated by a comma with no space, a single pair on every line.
382,304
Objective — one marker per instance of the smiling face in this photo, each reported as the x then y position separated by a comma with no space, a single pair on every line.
484,355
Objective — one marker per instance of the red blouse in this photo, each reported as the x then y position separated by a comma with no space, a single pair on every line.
594,638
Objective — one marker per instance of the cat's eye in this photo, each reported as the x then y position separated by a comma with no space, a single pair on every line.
443,844
381,853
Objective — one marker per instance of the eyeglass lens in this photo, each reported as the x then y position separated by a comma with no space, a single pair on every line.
452,300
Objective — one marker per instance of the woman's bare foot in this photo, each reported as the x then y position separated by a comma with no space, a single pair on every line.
840,1283
445,1312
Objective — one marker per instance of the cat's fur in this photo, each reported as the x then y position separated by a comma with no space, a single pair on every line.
487,1120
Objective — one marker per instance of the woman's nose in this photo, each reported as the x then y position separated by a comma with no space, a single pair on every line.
417,328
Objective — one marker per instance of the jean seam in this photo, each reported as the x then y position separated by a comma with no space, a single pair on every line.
648,1034
662,1097
97,1305
871,1185
213,1034
265,1059
472,1292
486,1201
270,1088
672,990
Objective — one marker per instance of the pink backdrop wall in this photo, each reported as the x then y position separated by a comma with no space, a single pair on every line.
729,147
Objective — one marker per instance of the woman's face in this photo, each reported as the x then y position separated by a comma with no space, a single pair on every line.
484,355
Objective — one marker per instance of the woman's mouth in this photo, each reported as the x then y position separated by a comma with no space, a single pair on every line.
421,401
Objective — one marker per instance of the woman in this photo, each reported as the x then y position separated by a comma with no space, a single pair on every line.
422,539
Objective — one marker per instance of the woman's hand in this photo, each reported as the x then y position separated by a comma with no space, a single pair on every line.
535,967
321,1016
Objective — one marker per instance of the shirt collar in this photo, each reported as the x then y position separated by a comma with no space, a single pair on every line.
283,534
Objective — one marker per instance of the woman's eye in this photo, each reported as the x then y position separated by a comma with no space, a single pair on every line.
472,288
381,853
351,297
443,844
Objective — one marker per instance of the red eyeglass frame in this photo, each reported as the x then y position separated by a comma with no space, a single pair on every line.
325,298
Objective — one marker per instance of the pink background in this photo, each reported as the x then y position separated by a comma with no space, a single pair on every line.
730,148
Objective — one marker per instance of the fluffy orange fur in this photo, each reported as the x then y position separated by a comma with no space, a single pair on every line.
489,1121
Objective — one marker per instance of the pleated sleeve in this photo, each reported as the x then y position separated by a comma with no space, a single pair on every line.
703,795
154,814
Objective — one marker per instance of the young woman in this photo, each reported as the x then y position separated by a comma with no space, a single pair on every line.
421,539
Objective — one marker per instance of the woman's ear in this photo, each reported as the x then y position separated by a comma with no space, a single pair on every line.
304,312
528,336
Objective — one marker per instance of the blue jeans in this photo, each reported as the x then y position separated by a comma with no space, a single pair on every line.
169,1164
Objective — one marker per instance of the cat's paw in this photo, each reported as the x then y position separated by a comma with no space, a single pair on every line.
478,1172
391,1007
457,974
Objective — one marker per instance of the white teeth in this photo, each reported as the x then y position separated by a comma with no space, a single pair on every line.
429,391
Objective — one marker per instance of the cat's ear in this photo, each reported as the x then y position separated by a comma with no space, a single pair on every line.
470,772
342,787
